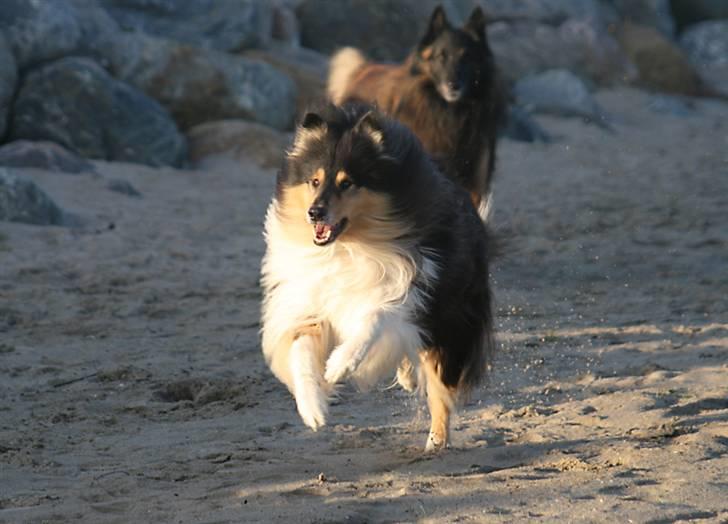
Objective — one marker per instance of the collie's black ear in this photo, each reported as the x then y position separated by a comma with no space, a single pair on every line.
476,24
312,121
372,127
438,23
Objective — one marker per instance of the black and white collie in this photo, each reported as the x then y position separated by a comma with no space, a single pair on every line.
375,261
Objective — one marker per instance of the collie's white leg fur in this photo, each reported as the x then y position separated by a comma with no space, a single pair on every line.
306,370
346,357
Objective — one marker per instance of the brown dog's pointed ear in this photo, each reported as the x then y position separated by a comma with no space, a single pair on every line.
438,23
312,121
370,126
476,24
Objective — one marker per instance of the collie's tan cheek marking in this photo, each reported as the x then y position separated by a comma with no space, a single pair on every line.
295,202
341,176
426,53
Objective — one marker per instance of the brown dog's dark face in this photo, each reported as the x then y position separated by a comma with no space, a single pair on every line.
455,60
335,182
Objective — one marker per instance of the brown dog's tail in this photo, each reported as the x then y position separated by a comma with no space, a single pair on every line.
343,64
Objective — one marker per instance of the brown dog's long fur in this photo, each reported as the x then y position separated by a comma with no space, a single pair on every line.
460,136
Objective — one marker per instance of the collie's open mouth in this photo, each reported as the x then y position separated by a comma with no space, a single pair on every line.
324,233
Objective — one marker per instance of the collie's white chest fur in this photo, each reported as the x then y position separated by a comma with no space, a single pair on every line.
363,295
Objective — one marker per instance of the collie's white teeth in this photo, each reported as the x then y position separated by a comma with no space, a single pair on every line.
322,232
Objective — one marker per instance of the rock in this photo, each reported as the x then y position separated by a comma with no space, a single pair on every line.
99,32
307,68
662,65
652,13
521,127
397,24
552,12
22,201
688,12
119,185
706,45
524,48
285,25
199,85
43,155
77,104
226,25
239,139
557,92
38,31
8,82
671,105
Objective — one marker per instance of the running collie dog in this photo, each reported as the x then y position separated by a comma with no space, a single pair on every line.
447,91
374,260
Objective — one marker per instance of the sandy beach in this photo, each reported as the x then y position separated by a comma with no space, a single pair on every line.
134,389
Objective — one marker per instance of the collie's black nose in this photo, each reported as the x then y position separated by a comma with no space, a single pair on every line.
454,85
316,213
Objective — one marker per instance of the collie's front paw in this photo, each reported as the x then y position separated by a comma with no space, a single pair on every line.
313,409
339,365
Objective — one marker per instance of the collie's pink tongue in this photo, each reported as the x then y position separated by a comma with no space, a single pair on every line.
323,231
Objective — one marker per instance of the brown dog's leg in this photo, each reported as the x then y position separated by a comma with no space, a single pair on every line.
441,401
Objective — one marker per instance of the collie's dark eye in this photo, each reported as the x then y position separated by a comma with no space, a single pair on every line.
345,184
315,182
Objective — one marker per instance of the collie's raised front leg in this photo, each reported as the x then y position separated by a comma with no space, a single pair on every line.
306,366
360,338
441,401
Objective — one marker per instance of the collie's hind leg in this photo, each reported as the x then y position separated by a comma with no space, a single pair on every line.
307,371
406,375
441,401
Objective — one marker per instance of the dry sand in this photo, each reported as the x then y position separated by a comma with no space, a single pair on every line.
133,388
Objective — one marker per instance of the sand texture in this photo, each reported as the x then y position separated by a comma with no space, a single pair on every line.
133,388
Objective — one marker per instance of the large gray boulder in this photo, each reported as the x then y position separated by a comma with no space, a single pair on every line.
8,81
558,92
688,12
199,85
662,65
22,201
383,29
237,139
307,68
525,48
43,155
39,30
651,13
399,24
77,104
226,25
706,44
552,12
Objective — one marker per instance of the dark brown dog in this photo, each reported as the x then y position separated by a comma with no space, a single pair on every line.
447,91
